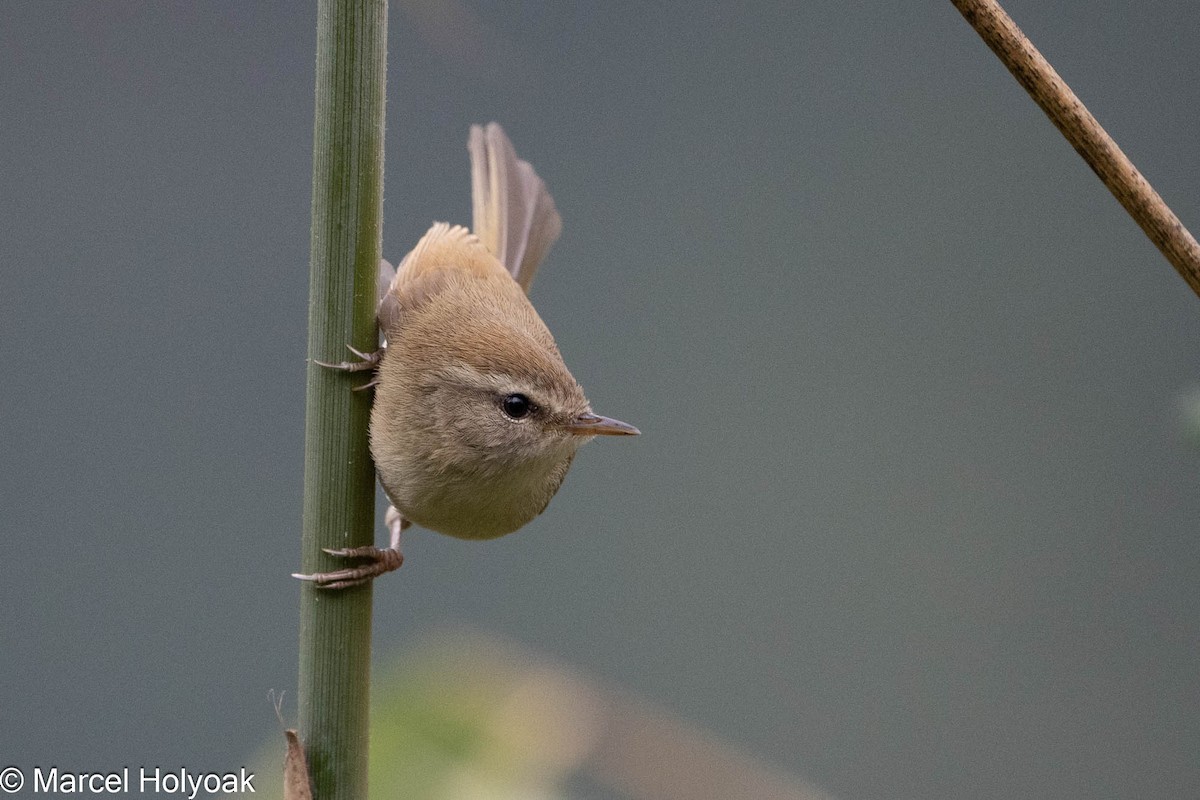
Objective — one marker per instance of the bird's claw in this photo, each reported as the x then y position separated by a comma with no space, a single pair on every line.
385,559
369,361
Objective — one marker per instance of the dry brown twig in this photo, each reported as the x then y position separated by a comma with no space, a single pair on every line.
1085,134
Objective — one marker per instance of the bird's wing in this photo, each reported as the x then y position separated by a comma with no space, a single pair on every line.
386,307
443,249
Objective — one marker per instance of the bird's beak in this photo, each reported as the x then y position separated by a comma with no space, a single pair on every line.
590,424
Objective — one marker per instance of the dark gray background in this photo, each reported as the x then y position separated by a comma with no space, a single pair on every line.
912,516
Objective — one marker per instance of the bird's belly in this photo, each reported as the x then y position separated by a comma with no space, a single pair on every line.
474,507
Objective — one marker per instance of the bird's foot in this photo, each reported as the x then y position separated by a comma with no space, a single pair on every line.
382,559
369,361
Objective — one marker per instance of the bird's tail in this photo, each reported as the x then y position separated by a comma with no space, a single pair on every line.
514,214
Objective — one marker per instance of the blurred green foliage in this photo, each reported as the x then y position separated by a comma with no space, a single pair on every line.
465,717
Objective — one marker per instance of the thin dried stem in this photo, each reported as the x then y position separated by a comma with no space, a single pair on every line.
1086,135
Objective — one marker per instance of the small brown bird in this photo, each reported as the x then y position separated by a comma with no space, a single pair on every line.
476,418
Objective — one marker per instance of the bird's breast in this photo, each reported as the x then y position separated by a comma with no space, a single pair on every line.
472,505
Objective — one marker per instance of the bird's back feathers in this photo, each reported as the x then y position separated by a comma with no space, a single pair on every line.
515,224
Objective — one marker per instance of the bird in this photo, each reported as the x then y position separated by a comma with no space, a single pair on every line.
476,418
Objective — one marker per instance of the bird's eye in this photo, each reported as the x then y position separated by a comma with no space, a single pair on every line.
517,406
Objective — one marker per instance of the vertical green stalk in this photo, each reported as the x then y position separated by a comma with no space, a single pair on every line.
339,488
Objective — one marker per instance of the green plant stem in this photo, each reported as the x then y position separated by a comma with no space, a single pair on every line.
339,487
